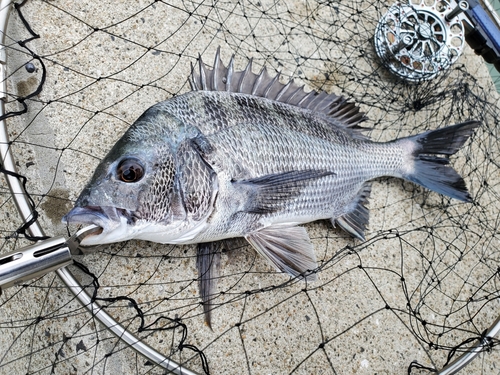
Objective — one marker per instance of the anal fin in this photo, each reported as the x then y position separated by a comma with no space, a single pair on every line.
289,249
355,221
207,263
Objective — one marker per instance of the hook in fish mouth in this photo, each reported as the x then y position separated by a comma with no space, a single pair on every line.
110,220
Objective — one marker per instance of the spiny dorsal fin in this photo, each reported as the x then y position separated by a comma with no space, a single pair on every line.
222,78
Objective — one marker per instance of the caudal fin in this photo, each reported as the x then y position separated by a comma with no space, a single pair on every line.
433,171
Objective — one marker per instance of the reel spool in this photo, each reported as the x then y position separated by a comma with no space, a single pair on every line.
418,40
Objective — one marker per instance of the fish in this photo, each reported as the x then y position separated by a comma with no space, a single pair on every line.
244,155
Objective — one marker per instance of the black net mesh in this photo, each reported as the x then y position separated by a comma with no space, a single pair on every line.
417,293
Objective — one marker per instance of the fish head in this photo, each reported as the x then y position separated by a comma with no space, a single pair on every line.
135,188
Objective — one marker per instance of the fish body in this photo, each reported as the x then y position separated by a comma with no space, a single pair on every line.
243,155
258,169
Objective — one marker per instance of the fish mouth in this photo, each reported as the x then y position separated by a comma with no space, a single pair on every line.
112,223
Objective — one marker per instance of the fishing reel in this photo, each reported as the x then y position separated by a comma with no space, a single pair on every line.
418,40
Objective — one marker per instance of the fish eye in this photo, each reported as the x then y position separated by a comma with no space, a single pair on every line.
130,170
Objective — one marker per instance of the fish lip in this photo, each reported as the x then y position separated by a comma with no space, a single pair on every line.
104,217
87,215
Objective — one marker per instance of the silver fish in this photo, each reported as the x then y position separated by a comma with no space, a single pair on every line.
243,155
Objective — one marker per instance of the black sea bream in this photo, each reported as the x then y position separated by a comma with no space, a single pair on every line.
243,155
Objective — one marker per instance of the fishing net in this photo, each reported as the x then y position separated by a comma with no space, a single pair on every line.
422,289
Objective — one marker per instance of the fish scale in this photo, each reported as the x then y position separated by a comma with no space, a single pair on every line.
303,152
243,155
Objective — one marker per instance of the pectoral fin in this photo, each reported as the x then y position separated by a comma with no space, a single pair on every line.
270,192
289,249
207,263
355,221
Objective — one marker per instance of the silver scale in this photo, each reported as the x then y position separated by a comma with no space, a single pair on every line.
418,40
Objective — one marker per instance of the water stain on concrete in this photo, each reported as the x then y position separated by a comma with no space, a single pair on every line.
56,204
26,87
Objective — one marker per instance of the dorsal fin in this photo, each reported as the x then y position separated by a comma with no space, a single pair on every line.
222,78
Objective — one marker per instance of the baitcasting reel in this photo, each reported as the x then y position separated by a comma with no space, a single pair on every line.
419,39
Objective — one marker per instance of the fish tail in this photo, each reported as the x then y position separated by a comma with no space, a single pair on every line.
433,171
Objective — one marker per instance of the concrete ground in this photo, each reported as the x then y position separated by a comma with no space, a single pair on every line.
424,282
